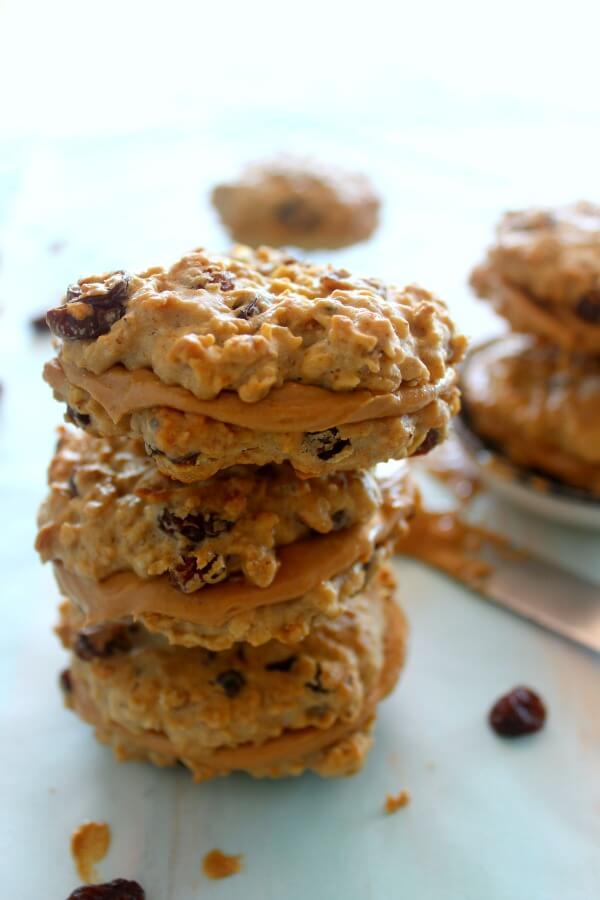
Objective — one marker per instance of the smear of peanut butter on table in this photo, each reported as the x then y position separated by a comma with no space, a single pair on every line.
446,542
219,865
89,845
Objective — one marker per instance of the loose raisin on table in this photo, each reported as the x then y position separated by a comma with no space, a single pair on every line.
86,316
119,889
432,439
326,444
99,641
195,527
231,681
519,712
588,307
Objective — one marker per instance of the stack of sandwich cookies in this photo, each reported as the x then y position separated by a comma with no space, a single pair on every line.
239,615
536,395
280,361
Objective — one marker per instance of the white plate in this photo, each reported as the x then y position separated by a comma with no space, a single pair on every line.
528,490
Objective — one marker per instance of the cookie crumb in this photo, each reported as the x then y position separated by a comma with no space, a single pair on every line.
394,802
89,845
219,865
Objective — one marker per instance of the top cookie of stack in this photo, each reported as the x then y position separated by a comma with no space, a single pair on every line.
256,358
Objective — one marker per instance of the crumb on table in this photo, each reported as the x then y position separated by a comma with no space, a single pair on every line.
220,865
394,802
89,845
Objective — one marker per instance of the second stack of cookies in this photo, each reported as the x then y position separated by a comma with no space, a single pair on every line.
217,528
535,394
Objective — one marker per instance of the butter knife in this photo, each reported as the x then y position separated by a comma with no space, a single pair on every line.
545,594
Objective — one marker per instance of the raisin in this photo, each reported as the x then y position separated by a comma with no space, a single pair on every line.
296,213
340,519
432,439
184,575
119,889
281,665
316,684
588,307
195,527
326,444
39,324
249,310
65,681
223,279
72,486
181,574
100,641
87,316
77,418
188,460
231,681
519,712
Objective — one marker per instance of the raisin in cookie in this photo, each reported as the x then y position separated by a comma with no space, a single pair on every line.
255,359
299,203
269,711
539,406
543,274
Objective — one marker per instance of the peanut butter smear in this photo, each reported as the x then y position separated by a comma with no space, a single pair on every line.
290,407
217,864
447,542
89,845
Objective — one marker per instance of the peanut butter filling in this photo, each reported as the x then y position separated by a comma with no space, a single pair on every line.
292,407
290,745
304,564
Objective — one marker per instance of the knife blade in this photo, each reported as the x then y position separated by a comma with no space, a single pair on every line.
546,594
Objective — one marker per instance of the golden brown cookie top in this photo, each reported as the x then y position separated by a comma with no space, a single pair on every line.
256,320
299,202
